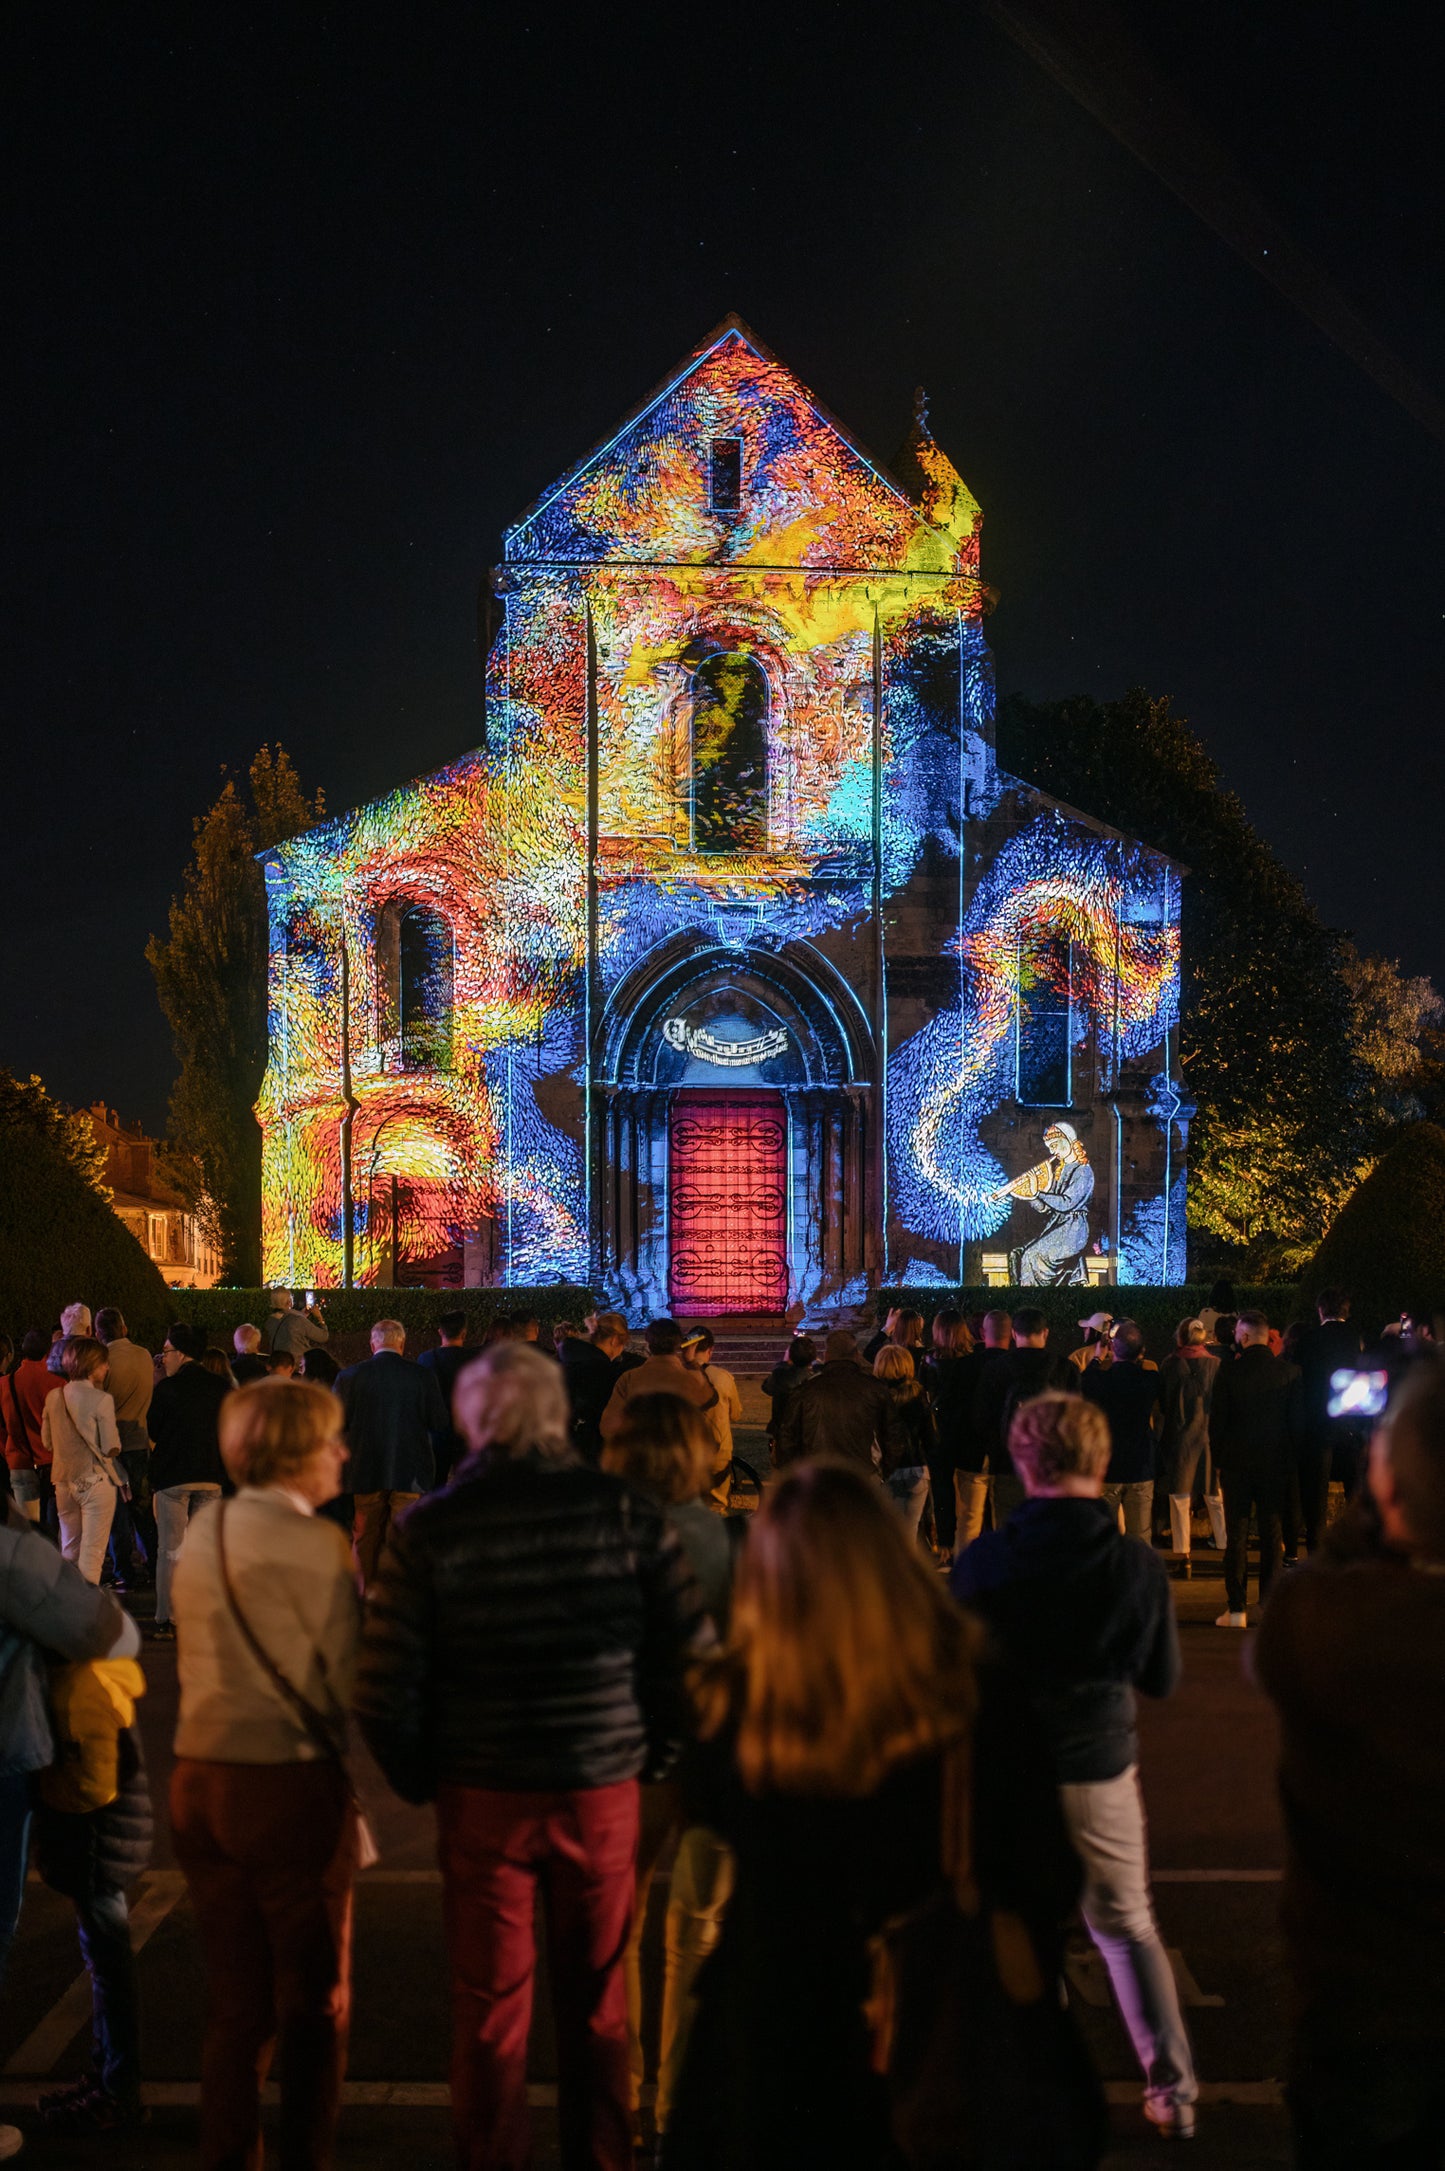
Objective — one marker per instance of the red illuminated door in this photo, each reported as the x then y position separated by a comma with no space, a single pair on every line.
728,1199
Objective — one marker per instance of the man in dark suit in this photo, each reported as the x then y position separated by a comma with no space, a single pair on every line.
1255,1427
1333,1346
393,1410
446,1362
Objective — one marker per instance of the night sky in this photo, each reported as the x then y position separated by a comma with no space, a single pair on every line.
299,320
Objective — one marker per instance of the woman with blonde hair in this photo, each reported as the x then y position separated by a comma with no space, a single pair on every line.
917,1433
845,1710
262,1812
666,1450
78,1432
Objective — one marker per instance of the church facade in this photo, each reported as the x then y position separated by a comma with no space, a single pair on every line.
731,974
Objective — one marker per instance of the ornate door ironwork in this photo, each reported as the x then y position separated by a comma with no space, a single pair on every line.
728,1199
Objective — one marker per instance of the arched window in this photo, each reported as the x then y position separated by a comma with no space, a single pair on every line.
1045,1021
414,975
730,755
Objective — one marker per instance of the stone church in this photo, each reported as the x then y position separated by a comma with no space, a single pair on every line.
730,974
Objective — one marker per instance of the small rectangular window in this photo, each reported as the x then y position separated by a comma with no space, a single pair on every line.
1045,1023
725,474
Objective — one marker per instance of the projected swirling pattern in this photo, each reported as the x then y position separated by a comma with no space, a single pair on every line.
773,712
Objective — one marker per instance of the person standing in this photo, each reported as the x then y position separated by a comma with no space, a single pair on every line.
522,1665
1129,1399
783,1382
915,1433
722,1415
291,1331
31,1385
973,1450
262,1812
1087,1617
1095,1347
948,1381
248,1363
1351,1652
1331,1346
445,1363
186,1467
1255,1426
48,1611
392,1411
663,1372
849,1731
1186,1391
591,1370
1026,1369
79,1434
130,1383
842,1410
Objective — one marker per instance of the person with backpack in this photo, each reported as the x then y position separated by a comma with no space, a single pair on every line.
80,1436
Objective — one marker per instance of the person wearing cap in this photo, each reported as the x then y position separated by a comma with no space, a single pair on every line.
698,1345
1094,1348
186,1467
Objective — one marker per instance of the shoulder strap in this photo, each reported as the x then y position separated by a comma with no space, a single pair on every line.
307,1713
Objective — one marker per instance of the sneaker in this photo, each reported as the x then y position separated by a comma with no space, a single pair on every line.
161,1632
12,2140
76,2091
1183,1569
1232,1620
1171,2121
99,2112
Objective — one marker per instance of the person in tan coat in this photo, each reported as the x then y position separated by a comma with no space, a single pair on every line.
663,1372
262,1812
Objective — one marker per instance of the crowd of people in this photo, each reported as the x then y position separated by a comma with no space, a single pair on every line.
875,1700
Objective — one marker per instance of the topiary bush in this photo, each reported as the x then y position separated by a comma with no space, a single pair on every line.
1387,1243
61,1244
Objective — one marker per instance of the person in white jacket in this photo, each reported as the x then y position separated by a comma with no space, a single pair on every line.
79,1432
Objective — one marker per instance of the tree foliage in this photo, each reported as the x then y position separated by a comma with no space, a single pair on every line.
1282,1053
1387,1246
60,1242
210,975
25,1105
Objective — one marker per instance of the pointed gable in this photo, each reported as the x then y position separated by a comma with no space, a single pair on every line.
733,462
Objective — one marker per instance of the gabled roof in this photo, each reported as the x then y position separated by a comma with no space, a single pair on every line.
732,327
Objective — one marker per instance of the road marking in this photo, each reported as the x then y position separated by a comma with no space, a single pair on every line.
542,2095
48,2042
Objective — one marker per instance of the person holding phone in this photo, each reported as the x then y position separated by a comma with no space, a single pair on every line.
292,1333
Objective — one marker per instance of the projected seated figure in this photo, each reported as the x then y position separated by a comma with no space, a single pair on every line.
1060,1189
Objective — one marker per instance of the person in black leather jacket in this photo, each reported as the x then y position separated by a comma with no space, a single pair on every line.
523,1665
842,1410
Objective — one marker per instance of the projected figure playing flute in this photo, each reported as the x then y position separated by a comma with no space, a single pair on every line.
1060,1189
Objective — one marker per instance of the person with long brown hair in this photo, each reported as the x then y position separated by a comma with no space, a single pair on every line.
845,1708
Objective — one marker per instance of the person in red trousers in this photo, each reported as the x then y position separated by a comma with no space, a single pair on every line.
522,1665
262,1812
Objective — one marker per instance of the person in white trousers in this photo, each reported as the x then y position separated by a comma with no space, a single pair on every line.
1087,1616
79,1432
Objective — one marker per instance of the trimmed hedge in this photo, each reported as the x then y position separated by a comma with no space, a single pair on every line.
354,1311
1157,1310
1387,1244
61,1244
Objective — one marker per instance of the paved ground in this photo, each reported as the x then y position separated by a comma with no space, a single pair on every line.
1208,1763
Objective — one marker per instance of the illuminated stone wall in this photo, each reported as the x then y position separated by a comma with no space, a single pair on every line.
737,825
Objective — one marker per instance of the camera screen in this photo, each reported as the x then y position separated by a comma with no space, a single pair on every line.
1358,1394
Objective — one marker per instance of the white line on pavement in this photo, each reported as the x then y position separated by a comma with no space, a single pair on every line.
47,2043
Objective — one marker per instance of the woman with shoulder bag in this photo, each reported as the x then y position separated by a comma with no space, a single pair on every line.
885,1992
265,1823
79,1433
